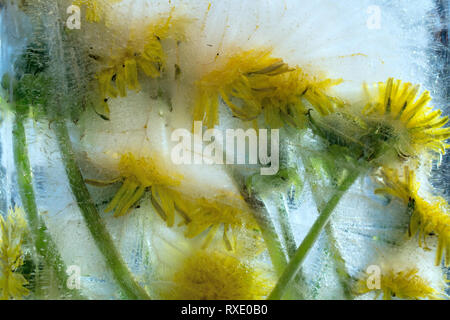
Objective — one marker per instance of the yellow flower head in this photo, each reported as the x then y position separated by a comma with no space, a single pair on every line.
198,214
139,174
405,284
148,171
12,231
405,120
217,276
212,213
253,82
428,216
146,54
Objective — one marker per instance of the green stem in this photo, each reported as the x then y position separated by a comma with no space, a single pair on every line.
339,261
102,238
43,242
268,231
264,221
291,247
341,269
310,239
286,230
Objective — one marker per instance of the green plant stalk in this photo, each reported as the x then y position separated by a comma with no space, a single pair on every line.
268,232
286,230
127,283
341,270
282,211
45,247
310,239
290,245
262,217
336,254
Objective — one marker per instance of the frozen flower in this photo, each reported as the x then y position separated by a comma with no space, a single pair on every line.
212,213
391,125
404,284
253,83
198,214
12,231
217,276
428,216
121,72
137,174
405,120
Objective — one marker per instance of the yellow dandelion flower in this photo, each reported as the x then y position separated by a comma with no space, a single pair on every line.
198,214
137,175
394,124
203,214
428,216
146,55
12,231
212,213
217,276
405,284
405,115
253,82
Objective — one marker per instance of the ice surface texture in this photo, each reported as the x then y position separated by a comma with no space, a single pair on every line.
130,76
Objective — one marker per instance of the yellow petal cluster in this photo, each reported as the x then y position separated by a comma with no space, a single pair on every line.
12,230
139,174
217,276
428,216
122,68
198,214
223,210
253,82
404,284
416,127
